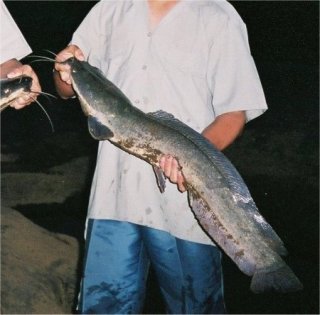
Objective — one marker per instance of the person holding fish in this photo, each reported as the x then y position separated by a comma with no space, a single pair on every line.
13,48
188,58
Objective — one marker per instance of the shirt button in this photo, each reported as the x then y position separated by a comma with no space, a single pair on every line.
149,34
137,101
144,67
145,100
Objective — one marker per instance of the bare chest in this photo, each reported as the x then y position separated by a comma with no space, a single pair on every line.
158,10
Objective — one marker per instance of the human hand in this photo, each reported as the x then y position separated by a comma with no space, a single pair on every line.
172,171
28,97
64,69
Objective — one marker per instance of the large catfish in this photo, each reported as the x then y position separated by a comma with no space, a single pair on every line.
219,198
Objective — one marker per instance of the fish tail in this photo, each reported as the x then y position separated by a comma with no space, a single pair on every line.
281,280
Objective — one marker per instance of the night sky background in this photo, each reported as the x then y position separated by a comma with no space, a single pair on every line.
277,154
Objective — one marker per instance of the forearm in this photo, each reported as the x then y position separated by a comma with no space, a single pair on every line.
9,66
225,129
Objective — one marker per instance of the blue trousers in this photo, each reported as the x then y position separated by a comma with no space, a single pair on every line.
117,261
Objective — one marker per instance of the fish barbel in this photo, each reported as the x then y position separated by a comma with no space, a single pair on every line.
218,196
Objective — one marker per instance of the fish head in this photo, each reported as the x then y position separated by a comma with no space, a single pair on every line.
82,83
12,88
100,99
91,88
94,89
75,64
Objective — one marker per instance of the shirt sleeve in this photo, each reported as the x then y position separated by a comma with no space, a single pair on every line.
233,76
94,31
13,44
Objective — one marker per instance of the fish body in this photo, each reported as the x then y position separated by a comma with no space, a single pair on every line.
12,88
219,198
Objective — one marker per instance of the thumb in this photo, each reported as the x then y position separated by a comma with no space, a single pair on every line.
14,73
79,55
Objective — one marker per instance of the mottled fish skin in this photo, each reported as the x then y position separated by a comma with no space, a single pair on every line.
218,196
12,88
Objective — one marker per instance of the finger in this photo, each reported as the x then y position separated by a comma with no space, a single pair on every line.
21,102
66,77
69,52
35,87
79,54
63,69
65,54
15,73
64,72
162,162
165,164
174,171
180,182
17,106
168,165
60,65
26,70
181,188
23,70
33,96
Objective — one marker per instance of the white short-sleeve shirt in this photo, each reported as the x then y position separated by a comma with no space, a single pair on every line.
196,64
13,44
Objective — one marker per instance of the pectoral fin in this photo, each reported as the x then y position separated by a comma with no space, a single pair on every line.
161,180
97,130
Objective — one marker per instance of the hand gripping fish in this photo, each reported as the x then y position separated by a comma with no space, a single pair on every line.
13,88
219,198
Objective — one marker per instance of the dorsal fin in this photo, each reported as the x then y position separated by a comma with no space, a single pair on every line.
224,166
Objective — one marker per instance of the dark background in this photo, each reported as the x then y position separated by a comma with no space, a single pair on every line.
277,154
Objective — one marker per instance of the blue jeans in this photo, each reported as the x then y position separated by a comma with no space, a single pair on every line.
117,262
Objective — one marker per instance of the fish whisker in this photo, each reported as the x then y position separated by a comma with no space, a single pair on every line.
45,94
41,58
50,52
46,113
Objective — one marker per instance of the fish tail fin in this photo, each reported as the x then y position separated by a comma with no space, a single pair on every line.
281,280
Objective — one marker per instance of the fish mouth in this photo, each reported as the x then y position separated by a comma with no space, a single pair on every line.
12,88
10,85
